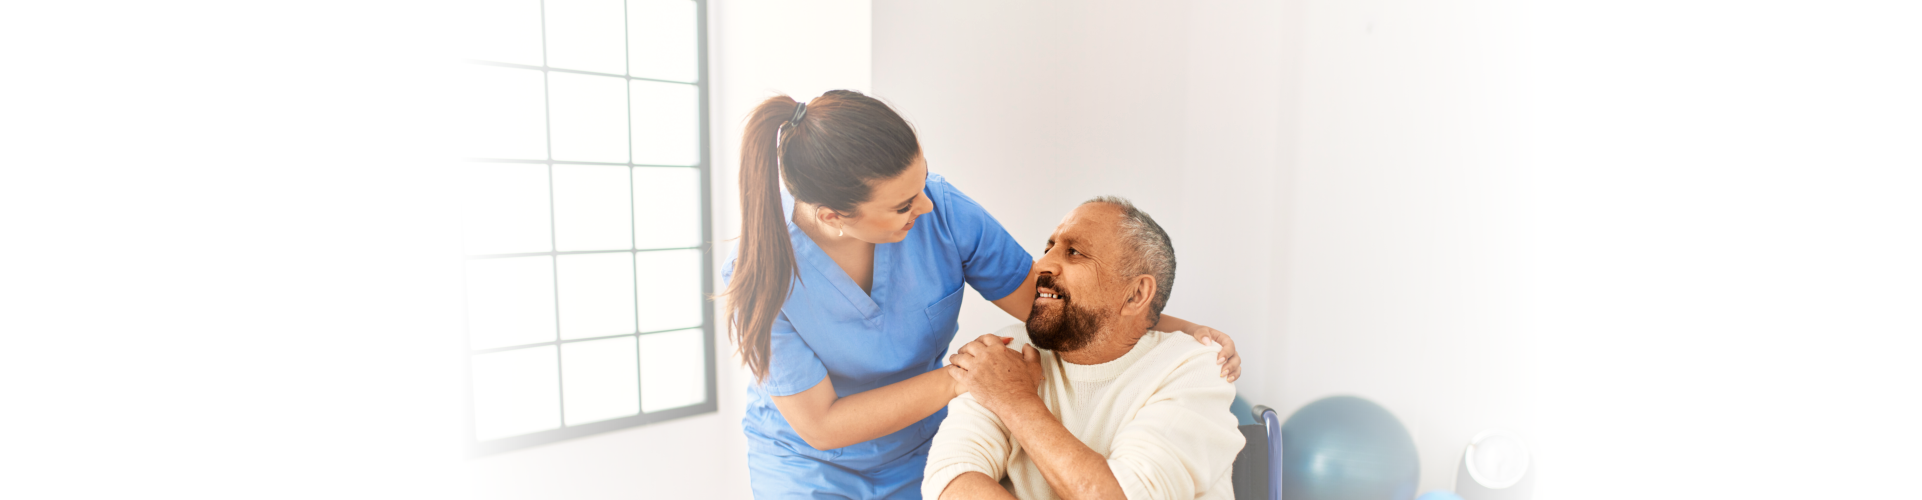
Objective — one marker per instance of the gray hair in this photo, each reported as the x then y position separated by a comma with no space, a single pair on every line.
1154,253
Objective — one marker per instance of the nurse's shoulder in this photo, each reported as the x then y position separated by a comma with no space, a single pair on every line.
955,209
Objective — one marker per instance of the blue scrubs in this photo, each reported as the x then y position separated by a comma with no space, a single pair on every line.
862,341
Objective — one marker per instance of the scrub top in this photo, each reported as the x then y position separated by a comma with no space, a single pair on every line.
829,328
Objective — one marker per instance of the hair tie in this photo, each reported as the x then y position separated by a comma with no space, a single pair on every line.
780,141
800,110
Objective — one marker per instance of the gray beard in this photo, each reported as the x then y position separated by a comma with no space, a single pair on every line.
1068,330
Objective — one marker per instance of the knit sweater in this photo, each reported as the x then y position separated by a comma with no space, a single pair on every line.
1159,413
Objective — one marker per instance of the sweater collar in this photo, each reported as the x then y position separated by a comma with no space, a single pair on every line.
1108,371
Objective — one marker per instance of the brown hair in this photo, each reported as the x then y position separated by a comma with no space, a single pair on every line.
843,141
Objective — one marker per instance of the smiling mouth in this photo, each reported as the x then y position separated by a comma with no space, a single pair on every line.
1044,288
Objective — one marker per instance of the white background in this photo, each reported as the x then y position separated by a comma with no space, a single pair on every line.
1670,243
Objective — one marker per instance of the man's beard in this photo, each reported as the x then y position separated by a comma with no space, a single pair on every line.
1066,328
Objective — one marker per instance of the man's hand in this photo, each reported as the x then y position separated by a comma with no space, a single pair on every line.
1008,384
994,373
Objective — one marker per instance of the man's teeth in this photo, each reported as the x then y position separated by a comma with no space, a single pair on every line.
1048,296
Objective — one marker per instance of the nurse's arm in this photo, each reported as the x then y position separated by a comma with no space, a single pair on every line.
1021,302
827,422
1228,359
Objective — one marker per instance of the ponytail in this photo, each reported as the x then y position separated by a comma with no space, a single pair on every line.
827,157
765,263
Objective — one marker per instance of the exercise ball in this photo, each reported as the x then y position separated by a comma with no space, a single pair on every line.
1347,448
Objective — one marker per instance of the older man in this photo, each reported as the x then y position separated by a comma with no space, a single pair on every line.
1106,408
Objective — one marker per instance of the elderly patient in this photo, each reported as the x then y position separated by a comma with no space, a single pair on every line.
1106,408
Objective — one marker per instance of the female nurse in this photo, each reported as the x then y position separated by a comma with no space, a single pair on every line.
843,300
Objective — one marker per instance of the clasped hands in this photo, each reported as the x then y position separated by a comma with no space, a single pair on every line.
996,374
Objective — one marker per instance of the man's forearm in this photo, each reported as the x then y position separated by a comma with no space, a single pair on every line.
973,486
1072,469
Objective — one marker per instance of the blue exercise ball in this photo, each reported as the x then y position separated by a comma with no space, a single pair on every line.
1347,448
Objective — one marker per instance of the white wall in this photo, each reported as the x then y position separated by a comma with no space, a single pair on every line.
1408,224
1670,243
1031,108
1338,197
756,49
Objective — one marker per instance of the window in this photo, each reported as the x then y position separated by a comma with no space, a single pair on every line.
586,219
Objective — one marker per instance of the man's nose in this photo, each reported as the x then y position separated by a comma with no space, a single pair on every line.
1048,264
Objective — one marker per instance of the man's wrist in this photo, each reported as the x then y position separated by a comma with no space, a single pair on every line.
1009,405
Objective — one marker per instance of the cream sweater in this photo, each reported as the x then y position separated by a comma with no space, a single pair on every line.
1159,413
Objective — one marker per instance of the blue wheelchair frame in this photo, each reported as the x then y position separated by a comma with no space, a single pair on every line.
1257,471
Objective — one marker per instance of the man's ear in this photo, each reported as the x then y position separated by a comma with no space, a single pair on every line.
1141,291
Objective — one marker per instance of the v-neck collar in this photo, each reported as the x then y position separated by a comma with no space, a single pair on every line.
808,253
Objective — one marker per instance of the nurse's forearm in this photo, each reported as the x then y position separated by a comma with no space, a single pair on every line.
827,422
1020,302
1173,324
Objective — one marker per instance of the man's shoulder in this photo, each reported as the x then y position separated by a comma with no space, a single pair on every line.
1180,345
1177,355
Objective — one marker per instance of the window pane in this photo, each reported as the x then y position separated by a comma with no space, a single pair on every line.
597,295
510,301
667,123
673,370
515,392
586,35
590,121
667,207
662,39
502,30
505,113
506,208
601,379
670,289
591,208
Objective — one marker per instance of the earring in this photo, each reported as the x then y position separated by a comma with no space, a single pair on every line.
844,232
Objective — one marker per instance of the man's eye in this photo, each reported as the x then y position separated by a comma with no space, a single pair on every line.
1072,251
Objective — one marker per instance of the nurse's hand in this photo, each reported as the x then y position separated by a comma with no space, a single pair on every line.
1228,359
995,373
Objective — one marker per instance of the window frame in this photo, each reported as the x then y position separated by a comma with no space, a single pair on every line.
476,447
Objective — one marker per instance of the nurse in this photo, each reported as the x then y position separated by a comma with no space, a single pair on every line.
843,300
